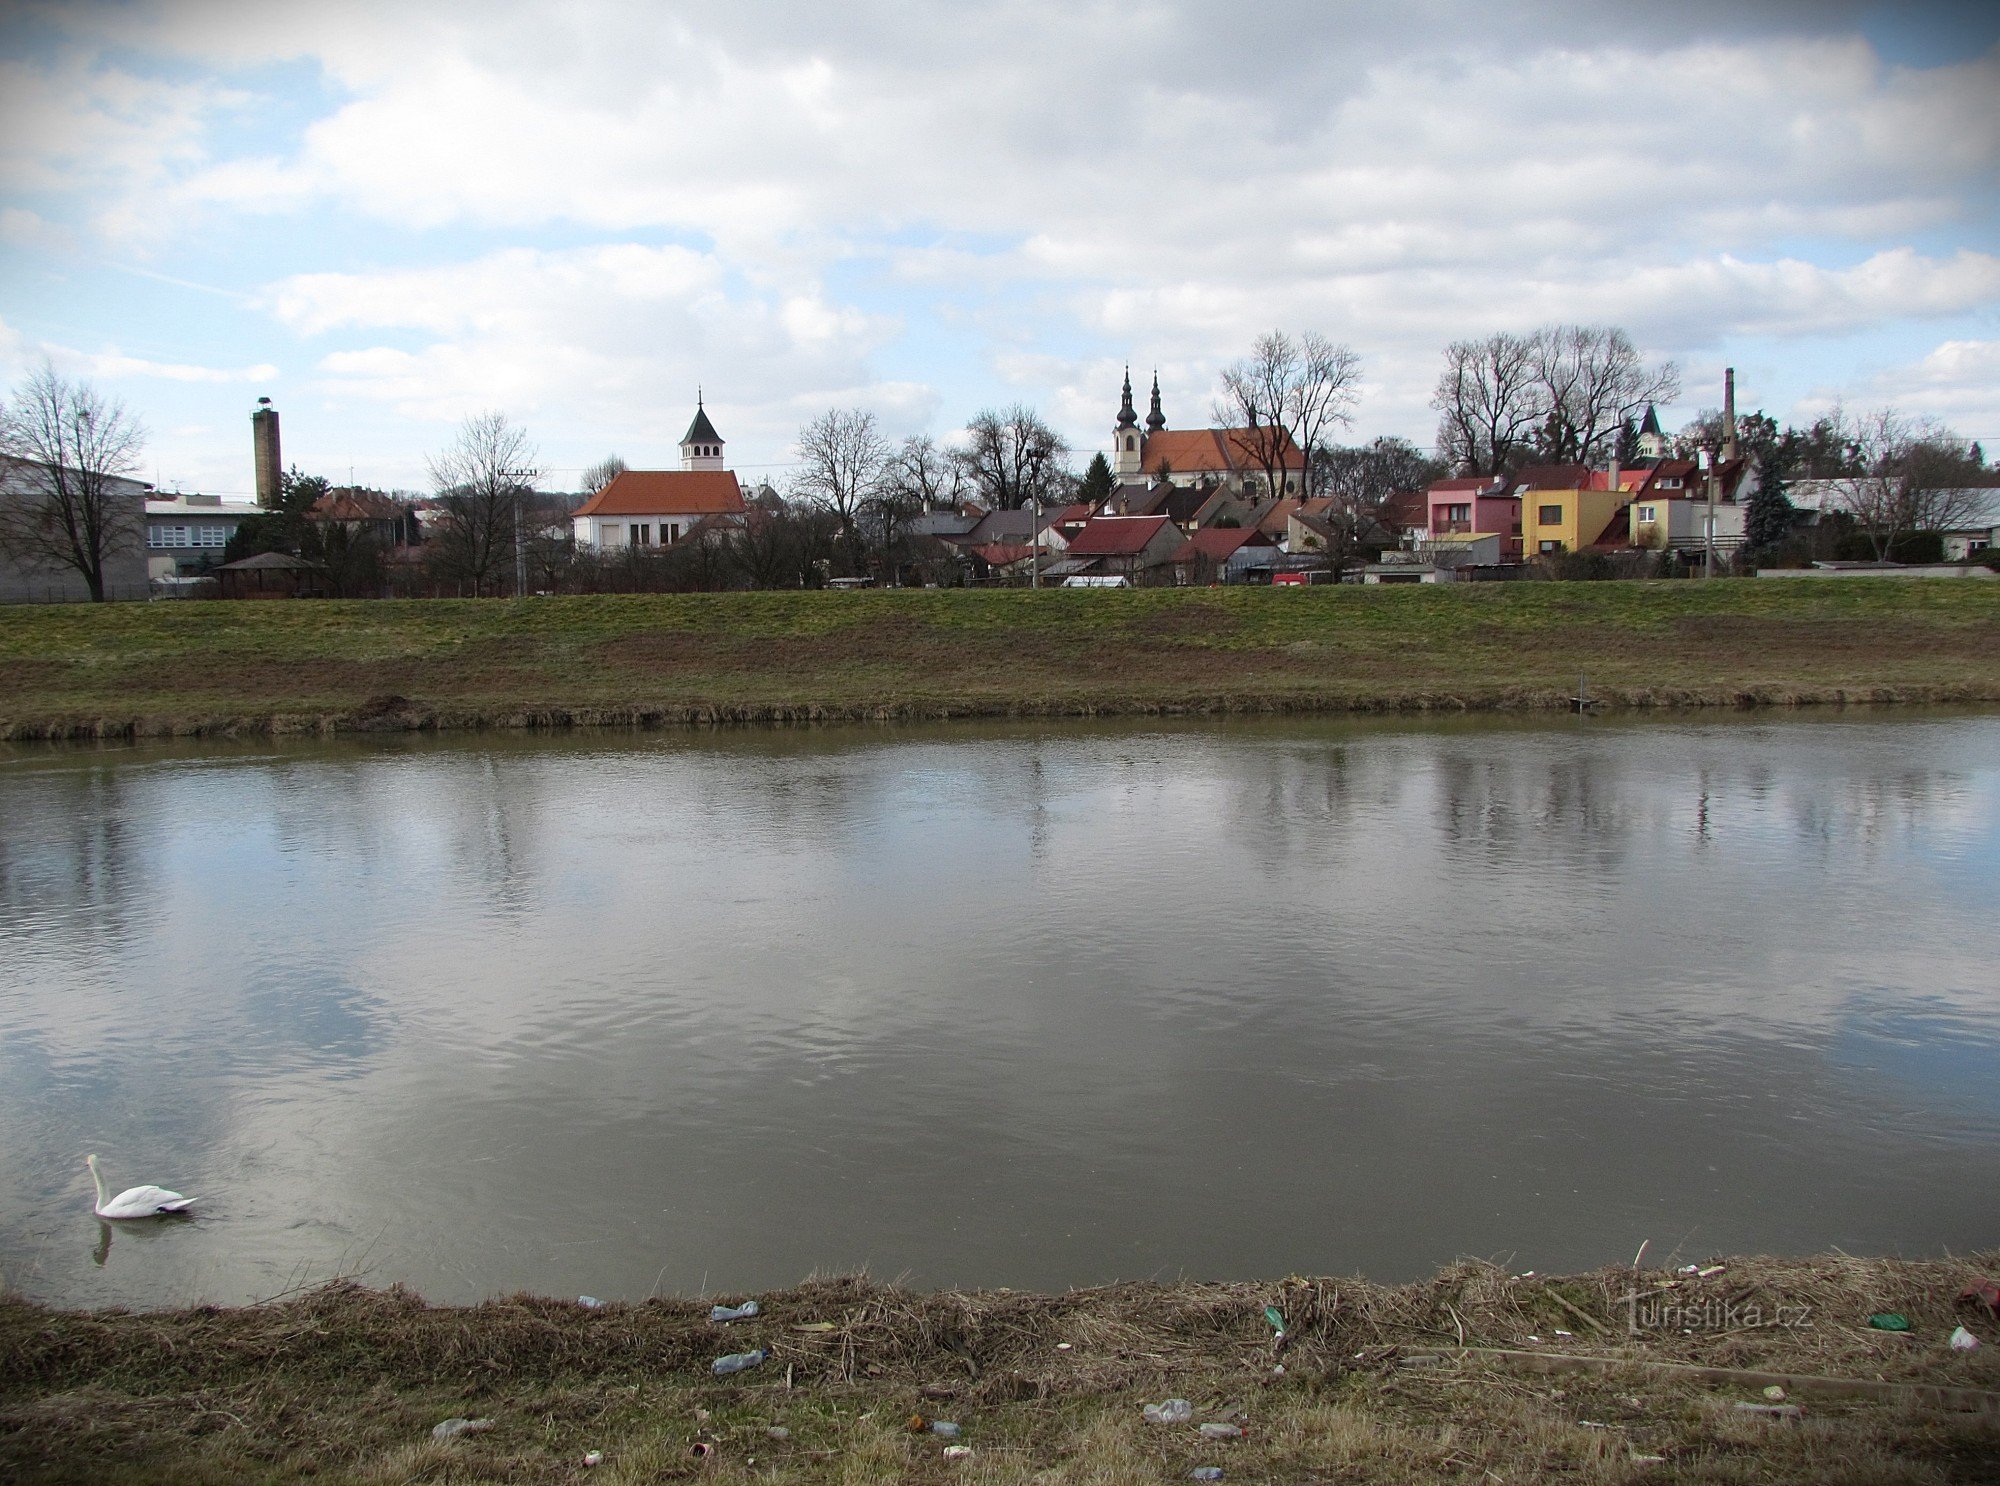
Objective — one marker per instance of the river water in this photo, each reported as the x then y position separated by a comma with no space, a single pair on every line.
1031,1006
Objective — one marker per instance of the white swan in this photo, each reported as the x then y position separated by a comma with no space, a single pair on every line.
135,1202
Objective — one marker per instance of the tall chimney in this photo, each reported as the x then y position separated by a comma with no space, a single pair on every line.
264,444
1729,412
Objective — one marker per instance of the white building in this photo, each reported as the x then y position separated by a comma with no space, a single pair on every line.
657,508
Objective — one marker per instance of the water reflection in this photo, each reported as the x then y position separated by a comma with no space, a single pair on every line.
1006,1006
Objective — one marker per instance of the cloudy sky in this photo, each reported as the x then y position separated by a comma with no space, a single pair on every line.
387,216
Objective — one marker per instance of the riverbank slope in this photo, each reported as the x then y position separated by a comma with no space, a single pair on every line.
1474,1374
196,669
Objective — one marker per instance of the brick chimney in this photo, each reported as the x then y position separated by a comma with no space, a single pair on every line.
264,451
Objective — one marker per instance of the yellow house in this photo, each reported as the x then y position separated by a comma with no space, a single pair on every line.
1561,512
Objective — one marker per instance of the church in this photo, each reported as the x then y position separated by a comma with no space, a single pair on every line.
657,508
1232,459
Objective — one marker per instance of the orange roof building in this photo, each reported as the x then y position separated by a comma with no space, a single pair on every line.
1226,457
657,508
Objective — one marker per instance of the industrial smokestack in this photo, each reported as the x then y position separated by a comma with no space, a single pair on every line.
264,450
1729,412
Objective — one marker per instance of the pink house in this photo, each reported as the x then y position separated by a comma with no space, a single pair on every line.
1477,506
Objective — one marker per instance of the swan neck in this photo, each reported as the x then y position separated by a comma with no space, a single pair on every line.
98,1178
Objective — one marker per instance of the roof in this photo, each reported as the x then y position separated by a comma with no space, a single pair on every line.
1652,423
1116,536
667,493
281,561
1230,450
1218,543
1470,485
1406,508
349,504
1553,477
701,431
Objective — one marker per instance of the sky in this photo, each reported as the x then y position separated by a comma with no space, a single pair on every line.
388,217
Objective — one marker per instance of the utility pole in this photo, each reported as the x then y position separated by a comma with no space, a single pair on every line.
1707,463
517,480
1035,519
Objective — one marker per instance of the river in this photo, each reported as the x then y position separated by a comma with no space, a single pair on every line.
1037,1006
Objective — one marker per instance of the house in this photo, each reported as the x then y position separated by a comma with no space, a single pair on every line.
1122,544
369,513
1566,508
657,508
1222,554
1234,459
30,575
185,534
1670,509
1476,506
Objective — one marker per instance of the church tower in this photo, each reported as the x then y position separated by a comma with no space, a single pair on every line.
1652,442
1155,419
701,446
1127,455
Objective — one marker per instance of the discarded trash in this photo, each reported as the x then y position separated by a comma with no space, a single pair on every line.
814,1326
722,1367
1421,1359
733,1312
1278,1371
1986,1292
593,1457
1889,1321
1565,1333
1713,1269
778,1432
1276,1317
590,1302
1775,1393
944,1429
1964,1341
1222,1431
1062,1346
452,1428
957,1452
1205,1473
1534,1338
1173,1411
1772,1410
1649,1460
701,1449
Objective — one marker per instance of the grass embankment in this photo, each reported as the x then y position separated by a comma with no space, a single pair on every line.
198,668
1438,1381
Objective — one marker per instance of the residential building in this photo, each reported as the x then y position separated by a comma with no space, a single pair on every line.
657,508
1476,506
1566,508
1222,554
1124,545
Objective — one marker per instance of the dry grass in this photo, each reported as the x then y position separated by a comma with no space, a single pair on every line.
1390,1384
195,669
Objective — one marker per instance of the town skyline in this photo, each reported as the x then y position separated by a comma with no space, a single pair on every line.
386,222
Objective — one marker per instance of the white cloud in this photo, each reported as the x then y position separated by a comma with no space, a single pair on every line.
1958,381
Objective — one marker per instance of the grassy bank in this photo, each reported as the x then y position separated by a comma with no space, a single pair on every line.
188,668
1471,1375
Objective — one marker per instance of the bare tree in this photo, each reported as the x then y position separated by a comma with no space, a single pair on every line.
1011,456
72,450
842,456
1489,401
1913,475
1285,399
1590,381
602,474
482,479
925,475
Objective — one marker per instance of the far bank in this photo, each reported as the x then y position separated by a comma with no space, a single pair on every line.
204,669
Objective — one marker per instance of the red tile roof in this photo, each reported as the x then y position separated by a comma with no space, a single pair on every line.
1220,450
1116,536
1553,477
1218,543
349,504
667,493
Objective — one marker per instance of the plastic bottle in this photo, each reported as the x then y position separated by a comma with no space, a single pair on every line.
1222,1431
1205,1473
1173,1411
733,1312
944,1429
722,1367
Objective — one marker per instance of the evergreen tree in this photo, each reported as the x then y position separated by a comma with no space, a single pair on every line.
289,528
1096,486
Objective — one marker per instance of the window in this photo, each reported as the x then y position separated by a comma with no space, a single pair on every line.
1130,444
1550,515
1671,482
1550,547
1458,513
670,533
642,534
1647,513
167,536
211,534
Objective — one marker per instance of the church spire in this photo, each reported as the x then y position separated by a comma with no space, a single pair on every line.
1156,420
1128,416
